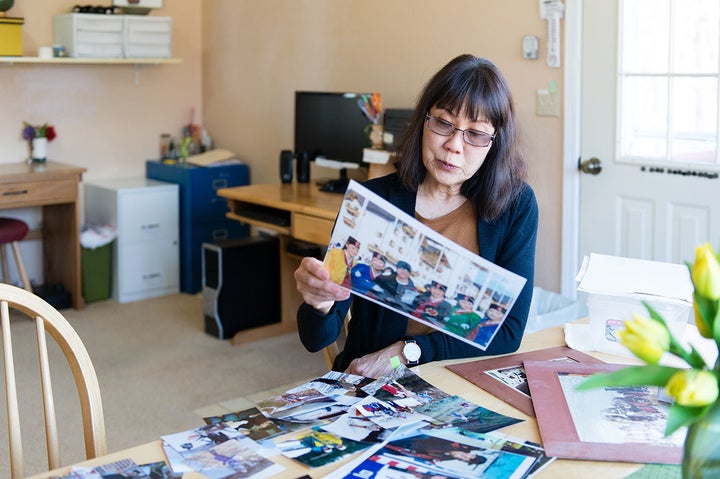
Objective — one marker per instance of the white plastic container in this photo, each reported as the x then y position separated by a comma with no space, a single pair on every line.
89,35
147,36
616,288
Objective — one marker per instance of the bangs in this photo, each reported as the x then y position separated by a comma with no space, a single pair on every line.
470,94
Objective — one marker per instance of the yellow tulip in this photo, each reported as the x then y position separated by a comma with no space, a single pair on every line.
704,328
645,338
705,272
693,387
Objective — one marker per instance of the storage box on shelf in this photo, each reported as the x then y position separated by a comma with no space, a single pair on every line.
202,211
146,253
147,37
87,35
11,36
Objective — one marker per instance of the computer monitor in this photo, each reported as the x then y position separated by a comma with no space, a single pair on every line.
330,130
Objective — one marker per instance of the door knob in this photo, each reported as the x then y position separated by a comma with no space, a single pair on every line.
593,166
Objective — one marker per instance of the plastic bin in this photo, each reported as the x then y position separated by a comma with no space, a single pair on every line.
96,273
96,259
549,309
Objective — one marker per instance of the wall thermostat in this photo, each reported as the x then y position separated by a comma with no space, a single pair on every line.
530,47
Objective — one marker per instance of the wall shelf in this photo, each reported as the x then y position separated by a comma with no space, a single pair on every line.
90,61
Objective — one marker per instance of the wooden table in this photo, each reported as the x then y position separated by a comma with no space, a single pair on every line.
54,187
438,375
307,214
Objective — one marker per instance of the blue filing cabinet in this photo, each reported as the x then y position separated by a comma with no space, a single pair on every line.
202,211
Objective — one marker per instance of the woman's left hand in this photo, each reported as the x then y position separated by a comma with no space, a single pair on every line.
377,364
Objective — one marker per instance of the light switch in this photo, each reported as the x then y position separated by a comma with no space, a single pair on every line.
548,103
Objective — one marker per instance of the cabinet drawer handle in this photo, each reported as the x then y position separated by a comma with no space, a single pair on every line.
151,276
151,226
15,193
219,183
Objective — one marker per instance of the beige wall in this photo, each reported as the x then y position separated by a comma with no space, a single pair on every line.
256,54
241,65
104,121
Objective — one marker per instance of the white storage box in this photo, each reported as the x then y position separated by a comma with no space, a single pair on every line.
616,288
147,37
89,35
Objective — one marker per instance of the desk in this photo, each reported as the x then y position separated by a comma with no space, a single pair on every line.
437,374
307,214
54,187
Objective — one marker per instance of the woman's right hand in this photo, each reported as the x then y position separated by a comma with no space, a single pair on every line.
313,283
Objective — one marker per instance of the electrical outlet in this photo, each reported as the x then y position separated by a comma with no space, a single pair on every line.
548,103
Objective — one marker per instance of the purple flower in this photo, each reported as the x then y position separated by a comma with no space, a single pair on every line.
28,132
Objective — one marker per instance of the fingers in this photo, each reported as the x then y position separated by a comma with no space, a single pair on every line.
313,283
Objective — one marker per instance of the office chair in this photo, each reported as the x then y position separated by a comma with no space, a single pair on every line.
48,319
11,232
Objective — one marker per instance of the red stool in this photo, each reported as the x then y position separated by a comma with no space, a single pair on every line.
12,231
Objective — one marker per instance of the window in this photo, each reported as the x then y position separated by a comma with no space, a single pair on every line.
668,82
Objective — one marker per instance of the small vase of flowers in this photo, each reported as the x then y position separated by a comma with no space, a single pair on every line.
693,388
38,137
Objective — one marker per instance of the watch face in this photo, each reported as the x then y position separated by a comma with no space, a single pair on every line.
411,351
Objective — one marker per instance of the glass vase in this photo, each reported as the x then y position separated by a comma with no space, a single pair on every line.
39,150
701,454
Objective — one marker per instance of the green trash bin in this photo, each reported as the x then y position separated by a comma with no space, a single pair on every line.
96,264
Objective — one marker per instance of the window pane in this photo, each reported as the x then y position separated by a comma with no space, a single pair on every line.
645,36
644,118
695,36
694,120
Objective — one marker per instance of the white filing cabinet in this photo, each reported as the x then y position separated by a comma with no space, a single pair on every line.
146,254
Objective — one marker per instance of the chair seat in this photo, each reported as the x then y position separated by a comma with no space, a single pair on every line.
12,229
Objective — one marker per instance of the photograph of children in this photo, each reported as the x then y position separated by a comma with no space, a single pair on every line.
236,459
390,258
201,437
317,447
406,383
355,426
388,414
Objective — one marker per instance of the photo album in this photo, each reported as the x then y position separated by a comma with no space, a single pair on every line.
388,257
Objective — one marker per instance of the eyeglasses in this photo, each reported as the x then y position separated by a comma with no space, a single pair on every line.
471,137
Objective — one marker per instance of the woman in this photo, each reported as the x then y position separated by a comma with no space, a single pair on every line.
460,172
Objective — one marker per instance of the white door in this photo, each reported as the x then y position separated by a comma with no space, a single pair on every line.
658,193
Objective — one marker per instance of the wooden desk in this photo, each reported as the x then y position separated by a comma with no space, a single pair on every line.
438,375
54,187
308,214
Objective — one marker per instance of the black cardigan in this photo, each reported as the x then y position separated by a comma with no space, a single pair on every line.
508,241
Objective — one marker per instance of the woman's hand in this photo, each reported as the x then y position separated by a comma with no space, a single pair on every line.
313,283
377,364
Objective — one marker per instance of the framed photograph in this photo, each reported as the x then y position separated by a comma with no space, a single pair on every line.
625,424
505,376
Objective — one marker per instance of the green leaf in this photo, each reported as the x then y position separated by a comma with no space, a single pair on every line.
680,416
650,375
655,315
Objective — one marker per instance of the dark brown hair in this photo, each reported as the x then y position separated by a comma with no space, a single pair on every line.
474,87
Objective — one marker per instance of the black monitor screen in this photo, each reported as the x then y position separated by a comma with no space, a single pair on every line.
330,125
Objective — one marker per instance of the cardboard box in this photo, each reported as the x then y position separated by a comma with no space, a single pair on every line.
11,36
616,288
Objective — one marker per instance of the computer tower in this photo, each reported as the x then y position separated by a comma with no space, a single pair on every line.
241,284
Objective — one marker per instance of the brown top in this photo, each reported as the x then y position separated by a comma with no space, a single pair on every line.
459,226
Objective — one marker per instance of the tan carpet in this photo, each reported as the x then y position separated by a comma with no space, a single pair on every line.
158,372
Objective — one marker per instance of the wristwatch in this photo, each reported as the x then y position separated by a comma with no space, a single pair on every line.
411,351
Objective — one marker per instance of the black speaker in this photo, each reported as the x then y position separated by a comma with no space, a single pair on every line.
286,166
303,168
241,284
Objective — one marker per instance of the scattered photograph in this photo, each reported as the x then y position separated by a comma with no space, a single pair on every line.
318,447
459,412
250,422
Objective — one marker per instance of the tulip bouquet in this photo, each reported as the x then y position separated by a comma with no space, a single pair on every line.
695,389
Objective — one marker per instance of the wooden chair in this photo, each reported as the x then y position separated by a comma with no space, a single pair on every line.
48,319
332,350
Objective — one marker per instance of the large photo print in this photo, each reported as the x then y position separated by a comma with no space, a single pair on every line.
386,256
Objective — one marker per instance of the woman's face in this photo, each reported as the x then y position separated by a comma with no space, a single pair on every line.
449,160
